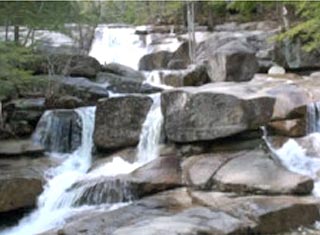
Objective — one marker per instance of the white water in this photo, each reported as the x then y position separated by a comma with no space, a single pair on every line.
55,204
147,151
120,45
296,158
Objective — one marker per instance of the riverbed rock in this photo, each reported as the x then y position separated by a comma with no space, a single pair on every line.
213,111
156,60
121,84
123,71
160,174
20,147
227,58
22,180
119,121
256,172
184,211
66,92
291,128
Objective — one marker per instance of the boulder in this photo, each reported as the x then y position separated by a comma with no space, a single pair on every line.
123,71
213,111
22,115
233,61
183,211
66,64
117,127
21,181
265,214
121,84
157,60
256,172
68,92
67,133
291,128
20,147
159,175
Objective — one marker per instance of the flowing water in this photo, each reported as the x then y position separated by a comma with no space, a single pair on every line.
57,202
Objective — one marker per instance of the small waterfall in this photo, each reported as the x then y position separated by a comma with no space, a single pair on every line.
101,185
313,117
151,132
67,135
75,165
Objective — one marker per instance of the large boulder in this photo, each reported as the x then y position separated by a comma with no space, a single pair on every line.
256,172
21,181
232,61
213,111
156,60
119,120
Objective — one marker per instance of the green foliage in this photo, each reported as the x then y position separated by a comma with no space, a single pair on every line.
11,73
307,29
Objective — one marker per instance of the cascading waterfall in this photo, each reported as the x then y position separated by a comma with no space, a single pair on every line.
98,186
75,165
120,45
57,201
313,117
295,158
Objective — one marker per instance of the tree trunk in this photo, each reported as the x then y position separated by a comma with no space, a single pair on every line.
7,30
16,34
192,40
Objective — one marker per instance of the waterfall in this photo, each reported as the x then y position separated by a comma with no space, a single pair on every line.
120,45
67,135
75,165
313,117
151,132
100,185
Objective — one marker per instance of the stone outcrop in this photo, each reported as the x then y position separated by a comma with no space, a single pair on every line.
183,211
213,111
157,60
71,92
121,84
119,120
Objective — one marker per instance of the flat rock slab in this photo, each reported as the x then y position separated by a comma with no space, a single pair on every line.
255,172
20,147
186,212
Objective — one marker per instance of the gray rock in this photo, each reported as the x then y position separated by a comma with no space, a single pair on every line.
157,60
20,147
123,71
21,181
233,61
119,120
255,172
183,211
122,84
213,111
